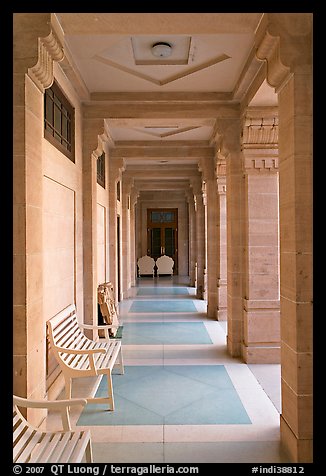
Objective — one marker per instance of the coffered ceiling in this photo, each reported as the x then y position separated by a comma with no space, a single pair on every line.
158,110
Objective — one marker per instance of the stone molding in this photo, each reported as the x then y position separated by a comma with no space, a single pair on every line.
267,163
49,50
220,165
260,133
254,304
259,159
221,185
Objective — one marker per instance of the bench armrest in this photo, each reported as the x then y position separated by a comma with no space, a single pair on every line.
62,405
104,327
89,352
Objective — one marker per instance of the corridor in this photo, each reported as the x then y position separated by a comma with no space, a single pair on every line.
182,399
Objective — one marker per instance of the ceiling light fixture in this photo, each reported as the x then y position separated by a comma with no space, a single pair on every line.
162,49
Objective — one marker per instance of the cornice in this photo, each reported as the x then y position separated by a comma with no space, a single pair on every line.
159,110
159,151
158,97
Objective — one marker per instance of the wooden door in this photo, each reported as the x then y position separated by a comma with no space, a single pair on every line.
162,233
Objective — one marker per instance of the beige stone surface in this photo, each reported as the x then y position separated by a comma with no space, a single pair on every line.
65,236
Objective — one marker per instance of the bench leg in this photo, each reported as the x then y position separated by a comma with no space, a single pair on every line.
89,453
110,389
107,400
122,369
68,386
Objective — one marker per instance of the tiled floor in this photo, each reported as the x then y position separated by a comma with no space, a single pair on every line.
183,398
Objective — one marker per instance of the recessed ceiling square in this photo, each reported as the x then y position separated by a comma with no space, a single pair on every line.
142,50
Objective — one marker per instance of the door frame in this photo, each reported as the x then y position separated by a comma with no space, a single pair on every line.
163,225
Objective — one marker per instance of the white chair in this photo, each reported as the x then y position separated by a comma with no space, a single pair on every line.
32,445
164,265
146,265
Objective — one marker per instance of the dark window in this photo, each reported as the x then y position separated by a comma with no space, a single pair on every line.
162,217
118,191
59,119
101,170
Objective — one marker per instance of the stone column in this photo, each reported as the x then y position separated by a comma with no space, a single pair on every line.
115,169
200,238
92,149
220,172
261,244
35,48
287,48
133,241
211,236
230,131
192,238
127,183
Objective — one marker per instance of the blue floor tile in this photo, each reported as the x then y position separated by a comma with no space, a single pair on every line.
169,395
179,305
147,291
184,333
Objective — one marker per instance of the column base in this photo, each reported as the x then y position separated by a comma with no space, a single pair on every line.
212,308
261,354
200,292
234,348
222,314
298,450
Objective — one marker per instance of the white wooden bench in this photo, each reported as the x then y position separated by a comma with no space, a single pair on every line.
79,356
32,445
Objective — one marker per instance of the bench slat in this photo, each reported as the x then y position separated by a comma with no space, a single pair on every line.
69,448
68,335
42,450
27,445
58,443
31,445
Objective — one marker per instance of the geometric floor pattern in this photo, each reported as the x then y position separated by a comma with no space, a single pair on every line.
182,398
156,333
184,395
177,305
161,291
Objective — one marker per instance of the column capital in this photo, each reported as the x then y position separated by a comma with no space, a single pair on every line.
116,167
229,132
49,50
134,196
206,167
33,33
127,183
286,46
93,134
196,185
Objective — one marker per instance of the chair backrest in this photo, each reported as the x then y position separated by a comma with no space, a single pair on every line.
20,426
146,265
64,331
164,265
